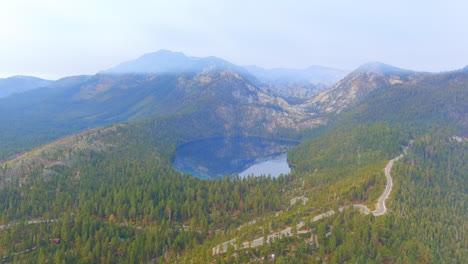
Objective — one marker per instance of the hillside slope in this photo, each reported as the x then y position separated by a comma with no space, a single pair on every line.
359,83
19,84
117,190
208,88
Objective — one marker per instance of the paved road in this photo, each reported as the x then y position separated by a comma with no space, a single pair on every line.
363,208
380,210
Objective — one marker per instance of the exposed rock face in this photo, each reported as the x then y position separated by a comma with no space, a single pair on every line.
360,83
206,91
234,97
239,103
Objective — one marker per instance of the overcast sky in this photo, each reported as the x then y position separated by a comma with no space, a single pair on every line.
55,38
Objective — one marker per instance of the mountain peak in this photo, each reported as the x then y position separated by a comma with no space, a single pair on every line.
379,67
165,51
162,54
166,61
154,62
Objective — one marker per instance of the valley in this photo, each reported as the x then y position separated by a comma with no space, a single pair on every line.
113,159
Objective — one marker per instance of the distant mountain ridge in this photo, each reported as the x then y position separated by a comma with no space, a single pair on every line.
114,188
199,89
294,84
208,91
382,68
169,62
18,84
313,74
297,85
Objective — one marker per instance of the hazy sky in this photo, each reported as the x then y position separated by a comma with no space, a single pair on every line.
54,38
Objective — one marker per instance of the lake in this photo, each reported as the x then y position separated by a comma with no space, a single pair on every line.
218,157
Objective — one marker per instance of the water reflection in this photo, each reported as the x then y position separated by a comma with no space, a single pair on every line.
218,157
273,167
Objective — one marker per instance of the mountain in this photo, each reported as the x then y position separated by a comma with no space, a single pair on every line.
114,197
381,68
157,62
169,62
387,103
361,82
201,88
111,195
70,81
297,85
187,87
19,84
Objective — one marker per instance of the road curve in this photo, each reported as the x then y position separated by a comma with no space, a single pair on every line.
380,210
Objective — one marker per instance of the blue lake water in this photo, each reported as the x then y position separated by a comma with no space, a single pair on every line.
273,167
218,157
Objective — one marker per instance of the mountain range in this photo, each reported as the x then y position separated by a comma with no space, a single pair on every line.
88,161
244,100
150,86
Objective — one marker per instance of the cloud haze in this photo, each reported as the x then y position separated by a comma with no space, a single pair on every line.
53,38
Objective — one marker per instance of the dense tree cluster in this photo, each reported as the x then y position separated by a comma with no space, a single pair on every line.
134,200
127,204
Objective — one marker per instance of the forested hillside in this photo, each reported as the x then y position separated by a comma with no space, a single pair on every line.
426,223
124,195
342,164
197,88
111,195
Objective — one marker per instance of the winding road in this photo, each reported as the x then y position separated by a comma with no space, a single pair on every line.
381,209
